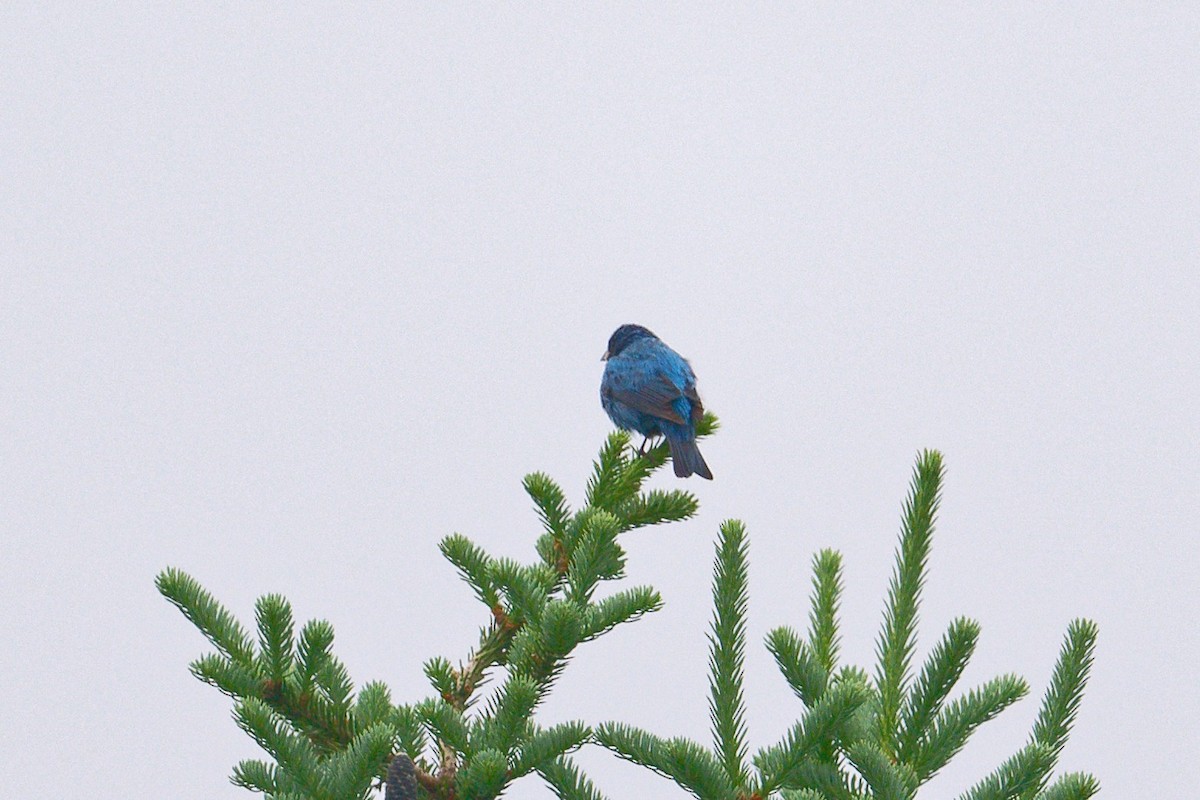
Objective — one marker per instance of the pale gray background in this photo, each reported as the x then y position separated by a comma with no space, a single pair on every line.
288,295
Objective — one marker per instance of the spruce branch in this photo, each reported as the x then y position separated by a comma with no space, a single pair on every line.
257,776
508,718
607,486
803,794
411,736
898,637
296,698
316,637
860,736
864,737
886,780
624,606
1014,777
1072,786
727,652
596,556
800,668
541,613
447,725
1061,703
826,597
549,746
485,774
942,669
228,676
276,641
785,765
373,706
954,724
350,773
334,682
442,677
567,781
473,564
617,477
688,764
550,501
656,507
213,620
296,756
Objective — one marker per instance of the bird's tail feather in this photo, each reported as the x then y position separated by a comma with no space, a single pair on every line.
686,458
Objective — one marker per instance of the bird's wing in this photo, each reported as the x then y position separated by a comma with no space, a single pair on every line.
689,392
654,397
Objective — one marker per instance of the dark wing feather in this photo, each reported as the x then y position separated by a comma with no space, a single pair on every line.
697,407
653,397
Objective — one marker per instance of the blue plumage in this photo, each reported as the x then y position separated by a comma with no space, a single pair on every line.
649,388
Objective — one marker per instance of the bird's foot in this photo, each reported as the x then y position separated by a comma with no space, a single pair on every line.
646,444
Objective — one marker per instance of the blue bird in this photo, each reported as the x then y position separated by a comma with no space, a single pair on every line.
649,388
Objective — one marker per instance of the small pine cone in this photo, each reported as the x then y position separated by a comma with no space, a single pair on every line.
401,779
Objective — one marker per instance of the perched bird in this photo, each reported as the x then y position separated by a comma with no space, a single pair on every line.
649,388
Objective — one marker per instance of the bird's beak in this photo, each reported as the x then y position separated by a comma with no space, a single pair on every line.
605,356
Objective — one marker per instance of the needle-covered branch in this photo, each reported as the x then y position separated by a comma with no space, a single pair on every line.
898,637
296,699
861,737
727,652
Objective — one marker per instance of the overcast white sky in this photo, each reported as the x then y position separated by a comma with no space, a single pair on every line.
287,296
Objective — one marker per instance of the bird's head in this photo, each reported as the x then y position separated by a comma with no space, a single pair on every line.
622,337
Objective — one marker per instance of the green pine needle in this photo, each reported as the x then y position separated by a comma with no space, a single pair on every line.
473,565
296,757
783,765
544,748
213,620
442,677
941,672
685,762
411,735
1014,777
276,637
803,794
507,719
898,637
373,706
446,724
707,425
316,637
727,651
606,487
550,501
484,775
618,473
334,682
656,507
887,780
567,781
827,593
596,557
624,606
1072,786
1061,703
525,587
561,628
229,677
257,776
800,668
350,772
957,721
